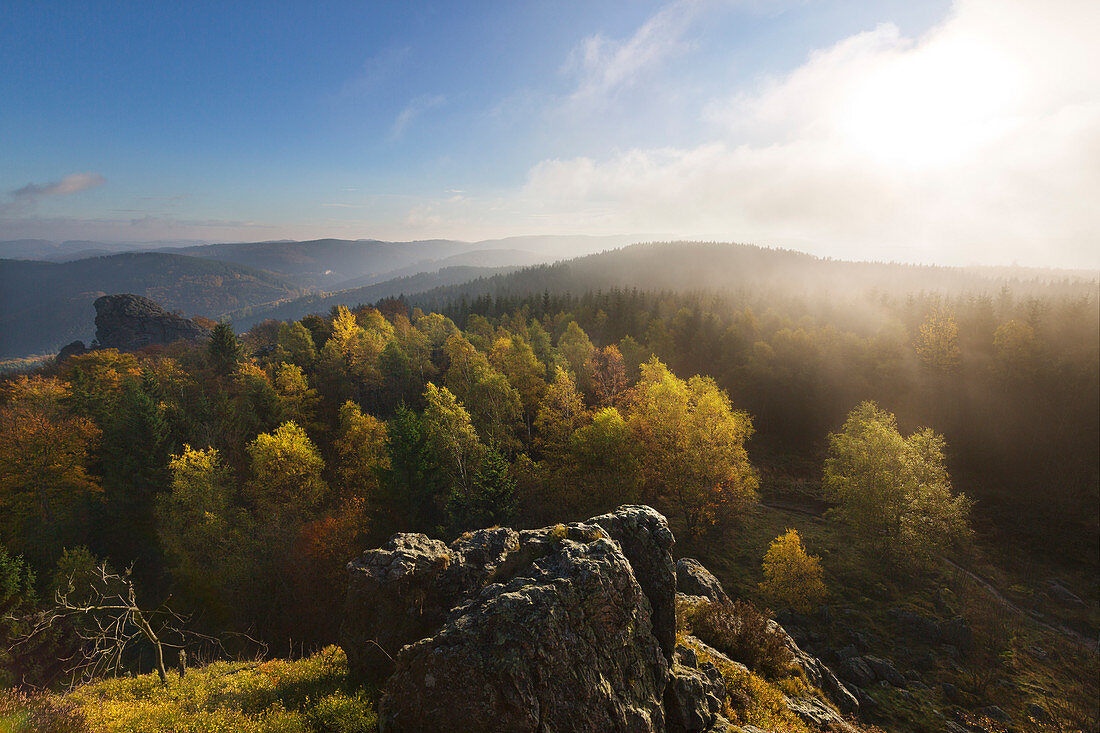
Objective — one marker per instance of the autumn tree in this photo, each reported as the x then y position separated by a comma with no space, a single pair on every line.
201,530
362,454
45,486
694,446
893,491
286,469
450,432
938,342
792,577
577,349
608,374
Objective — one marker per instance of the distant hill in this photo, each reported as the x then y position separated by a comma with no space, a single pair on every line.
43,249
746,269
337,264
45,305
297,308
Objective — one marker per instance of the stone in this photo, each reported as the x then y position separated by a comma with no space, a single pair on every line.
857,671
695,580
393,600
815,713
956,632
952,693
129,322
694,698
564,644
885,670
995,714
1062,593
76,348
1038,713
646,540
818,673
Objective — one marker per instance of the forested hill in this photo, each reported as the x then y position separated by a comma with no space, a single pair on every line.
751,269
45,305
296,308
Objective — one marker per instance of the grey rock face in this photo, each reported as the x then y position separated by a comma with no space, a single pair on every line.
393,600
819,674
695,693
129,322
646,540
695,580
564,644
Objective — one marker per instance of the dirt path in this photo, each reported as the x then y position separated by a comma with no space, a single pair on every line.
1046,622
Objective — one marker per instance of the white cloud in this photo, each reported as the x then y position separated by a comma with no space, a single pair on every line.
604,65
414,109
979,141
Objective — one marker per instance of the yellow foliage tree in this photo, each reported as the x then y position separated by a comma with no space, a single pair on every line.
791,576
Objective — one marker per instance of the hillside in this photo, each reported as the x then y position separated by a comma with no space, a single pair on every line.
296,308
45,305
683,266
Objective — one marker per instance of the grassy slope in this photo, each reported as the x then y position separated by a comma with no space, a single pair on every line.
306,695
1014,661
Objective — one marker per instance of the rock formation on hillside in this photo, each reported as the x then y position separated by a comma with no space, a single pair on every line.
569,627
128,322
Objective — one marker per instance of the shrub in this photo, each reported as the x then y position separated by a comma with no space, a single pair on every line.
744,634
791,576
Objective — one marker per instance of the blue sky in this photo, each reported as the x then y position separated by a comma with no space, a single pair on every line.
800,123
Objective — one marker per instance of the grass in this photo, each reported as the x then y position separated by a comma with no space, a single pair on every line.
276,696
1013,662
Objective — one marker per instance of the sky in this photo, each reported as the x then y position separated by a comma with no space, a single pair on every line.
951,132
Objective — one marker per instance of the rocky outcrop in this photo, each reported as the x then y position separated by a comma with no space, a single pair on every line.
695,694
569,627
818,674
693,579
564,644
129,322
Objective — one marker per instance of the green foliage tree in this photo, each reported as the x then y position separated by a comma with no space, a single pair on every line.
224,349
493,497
561,412
295,345
604,469
792,577
362,454
204,535
894,492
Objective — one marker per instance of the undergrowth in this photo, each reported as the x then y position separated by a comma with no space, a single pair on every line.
276,696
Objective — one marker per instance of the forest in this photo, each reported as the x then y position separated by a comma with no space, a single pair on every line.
230,482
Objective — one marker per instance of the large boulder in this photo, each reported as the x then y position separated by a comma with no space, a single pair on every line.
693,579
818,673
129,322
566,643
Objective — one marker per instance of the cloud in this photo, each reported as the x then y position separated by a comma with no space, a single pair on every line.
375,71
414,109
604,65
74,183
979,141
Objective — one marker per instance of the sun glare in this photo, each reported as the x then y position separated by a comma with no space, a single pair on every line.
936,107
